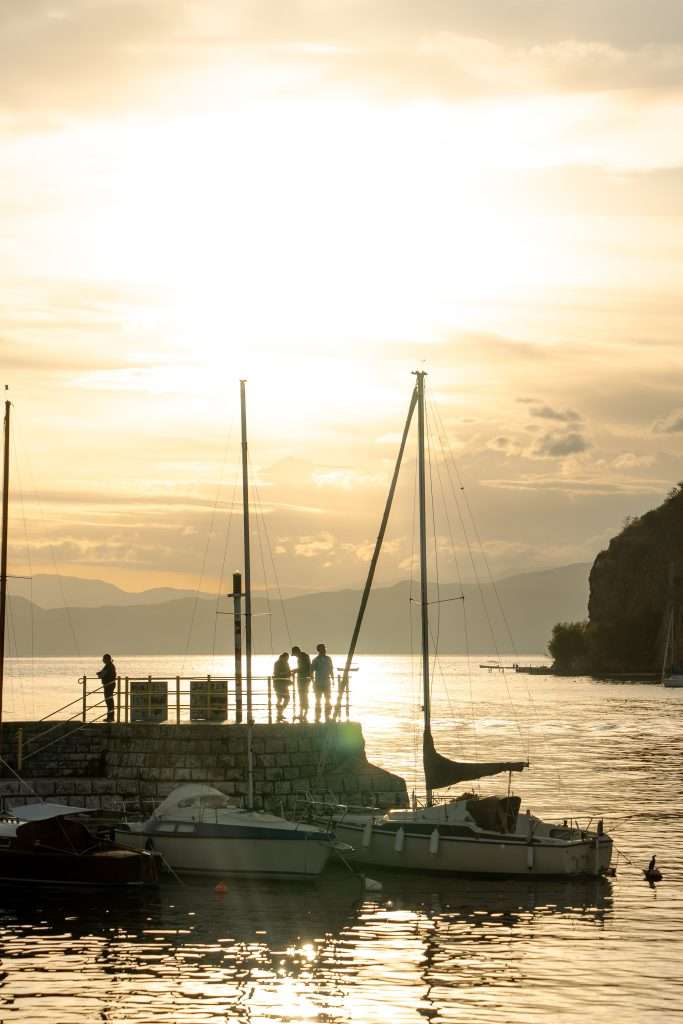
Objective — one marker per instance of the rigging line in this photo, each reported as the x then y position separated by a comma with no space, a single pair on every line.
269,548
465,629
221,577
22,781
451,536
29,561
436,664
258,512
477,577
535,712
436,547
18,429
210,532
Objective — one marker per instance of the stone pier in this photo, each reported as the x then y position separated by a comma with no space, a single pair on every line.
112,768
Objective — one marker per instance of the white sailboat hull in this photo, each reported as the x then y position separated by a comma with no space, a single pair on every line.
262,858
197,831
428,841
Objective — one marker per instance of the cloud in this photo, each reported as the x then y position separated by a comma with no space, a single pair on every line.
109,55
81,55
671,424
577,486
313,547
629,460
343,478
554,445
546,412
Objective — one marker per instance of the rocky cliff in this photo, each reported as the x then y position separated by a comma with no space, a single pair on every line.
633,584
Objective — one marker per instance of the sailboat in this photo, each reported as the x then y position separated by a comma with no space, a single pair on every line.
672,671
40,842
466,834
197,829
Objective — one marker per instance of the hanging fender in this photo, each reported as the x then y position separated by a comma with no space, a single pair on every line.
434,842
367,834
399,841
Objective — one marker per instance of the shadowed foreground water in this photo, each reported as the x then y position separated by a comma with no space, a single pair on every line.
422,948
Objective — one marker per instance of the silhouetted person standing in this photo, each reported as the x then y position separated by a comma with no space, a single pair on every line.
303,680
108,676
282,678
323,674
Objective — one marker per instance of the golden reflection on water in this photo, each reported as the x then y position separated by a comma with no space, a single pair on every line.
457,950
418,950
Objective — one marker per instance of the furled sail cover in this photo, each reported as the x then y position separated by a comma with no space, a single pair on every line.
440,771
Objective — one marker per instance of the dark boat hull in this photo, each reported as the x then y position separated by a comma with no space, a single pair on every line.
110,867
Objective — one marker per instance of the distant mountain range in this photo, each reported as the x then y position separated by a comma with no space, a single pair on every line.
69,616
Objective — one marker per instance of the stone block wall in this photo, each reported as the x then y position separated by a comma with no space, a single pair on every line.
118,767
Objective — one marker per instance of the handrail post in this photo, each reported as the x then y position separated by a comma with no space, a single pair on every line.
348,701
270,700
177,700
20,748
127,700
84,683
118,699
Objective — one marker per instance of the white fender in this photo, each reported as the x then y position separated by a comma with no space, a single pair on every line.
399,841
367,834
434,842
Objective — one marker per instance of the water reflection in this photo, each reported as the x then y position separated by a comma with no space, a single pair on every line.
420,948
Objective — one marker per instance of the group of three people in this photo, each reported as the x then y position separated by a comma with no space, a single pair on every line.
320,672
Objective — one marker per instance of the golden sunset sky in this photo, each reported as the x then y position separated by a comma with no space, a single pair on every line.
321,197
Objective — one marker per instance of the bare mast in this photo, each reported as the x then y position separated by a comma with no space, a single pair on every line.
247,555
3,554
424,595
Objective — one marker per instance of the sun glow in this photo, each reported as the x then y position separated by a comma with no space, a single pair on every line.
298,225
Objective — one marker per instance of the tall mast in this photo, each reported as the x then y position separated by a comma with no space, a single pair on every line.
247,556
3,554
424,597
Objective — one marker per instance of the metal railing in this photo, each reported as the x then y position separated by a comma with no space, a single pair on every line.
163,699
198,699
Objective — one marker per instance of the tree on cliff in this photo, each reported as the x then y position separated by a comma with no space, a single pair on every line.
568,648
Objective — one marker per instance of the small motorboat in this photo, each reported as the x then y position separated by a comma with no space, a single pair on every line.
41,844
197,830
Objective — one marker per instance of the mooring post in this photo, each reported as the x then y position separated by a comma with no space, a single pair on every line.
237,619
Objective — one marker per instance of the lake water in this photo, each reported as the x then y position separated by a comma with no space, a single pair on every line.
422,948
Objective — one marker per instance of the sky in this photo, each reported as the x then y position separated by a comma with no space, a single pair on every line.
321,197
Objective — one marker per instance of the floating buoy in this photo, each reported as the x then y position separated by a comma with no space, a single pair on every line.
221,888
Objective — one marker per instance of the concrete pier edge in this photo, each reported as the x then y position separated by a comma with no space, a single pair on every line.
121,768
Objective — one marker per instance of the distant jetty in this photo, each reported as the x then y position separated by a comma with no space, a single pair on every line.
531,670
